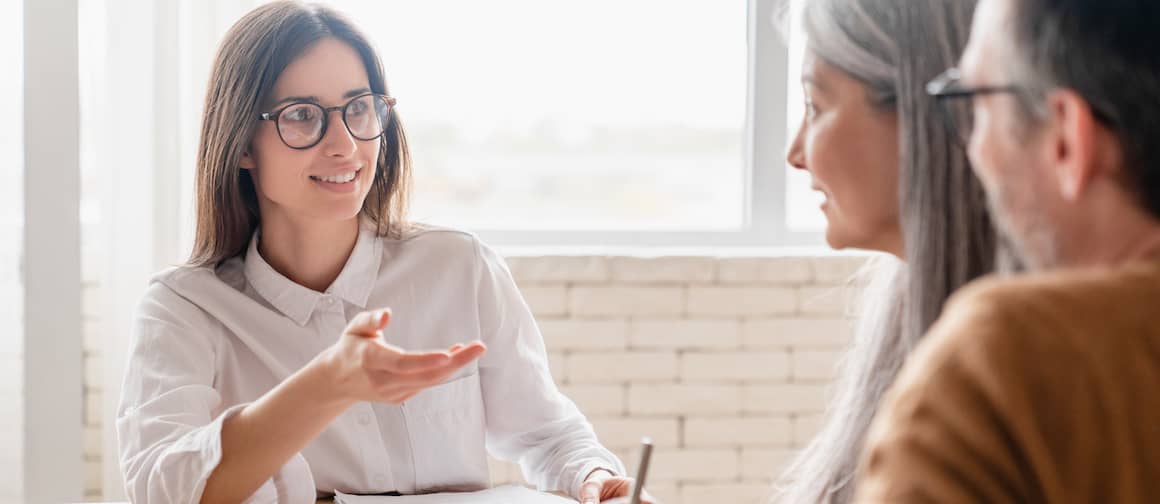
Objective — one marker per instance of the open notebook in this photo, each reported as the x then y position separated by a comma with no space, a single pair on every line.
507,494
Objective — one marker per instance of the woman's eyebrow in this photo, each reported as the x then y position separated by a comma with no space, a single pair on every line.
808,78
314,99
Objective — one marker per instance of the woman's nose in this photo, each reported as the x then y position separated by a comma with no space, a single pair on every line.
796,154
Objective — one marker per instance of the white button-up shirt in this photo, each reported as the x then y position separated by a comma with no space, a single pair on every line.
206,342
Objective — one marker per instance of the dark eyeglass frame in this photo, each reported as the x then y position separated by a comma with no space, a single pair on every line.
275,114
947,87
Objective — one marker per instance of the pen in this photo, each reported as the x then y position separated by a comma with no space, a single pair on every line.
641,469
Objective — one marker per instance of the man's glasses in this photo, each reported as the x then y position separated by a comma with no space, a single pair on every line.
954,102
302,125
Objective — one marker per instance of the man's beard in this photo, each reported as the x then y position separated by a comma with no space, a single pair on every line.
1023,231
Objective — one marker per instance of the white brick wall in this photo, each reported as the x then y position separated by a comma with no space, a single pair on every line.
685,334
94,415
750,366
765,271
725,362
681,399
739,302
623,301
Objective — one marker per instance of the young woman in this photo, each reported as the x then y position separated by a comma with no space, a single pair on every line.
316,341
894,181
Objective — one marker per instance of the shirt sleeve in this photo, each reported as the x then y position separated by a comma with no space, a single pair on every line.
946,431
168,433
528,419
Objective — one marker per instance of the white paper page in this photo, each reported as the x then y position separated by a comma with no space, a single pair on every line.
507,494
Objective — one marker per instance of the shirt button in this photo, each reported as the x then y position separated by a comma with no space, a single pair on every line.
381,479
364,419
328,303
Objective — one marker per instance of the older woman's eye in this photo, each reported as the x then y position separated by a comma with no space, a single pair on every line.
811,109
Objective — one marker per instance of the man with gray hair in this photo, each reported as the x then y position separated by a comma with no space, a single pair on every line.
1045,387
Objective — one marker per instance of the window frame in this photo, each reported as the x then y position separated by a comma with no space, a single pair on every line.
766,135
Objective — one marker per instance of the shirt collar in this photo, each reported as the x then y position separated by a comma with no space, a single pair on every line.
358,276
353,285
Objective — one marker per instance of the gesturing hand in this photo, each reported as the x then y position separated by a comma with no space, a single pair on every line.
363,367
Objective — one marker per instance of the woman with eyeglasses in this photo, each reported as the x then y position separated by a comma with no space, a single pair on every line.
895,180
316,341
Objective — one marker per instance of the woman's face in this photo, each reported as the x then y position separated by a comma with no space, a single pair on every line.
849,145
329,181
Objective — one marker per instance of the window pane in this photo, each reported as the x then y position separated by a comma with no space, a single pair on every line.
605,114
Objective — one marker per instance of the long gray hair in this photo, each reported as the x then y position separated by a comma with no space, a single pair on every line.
894,47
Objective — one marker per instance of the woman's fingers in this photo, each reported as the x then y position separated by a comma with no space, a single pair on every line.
386,357
467,353
389,373
396,387
368,324
389,358
590,492
434,375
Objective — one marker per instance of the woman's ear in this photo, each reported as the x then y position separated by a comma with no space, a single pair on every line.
247,162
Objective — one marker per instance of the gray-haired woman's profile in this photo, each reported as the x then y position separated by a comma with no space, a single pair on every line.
893,47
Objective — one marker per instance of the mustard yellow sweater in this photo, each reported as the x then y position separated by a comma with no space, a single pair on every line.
1044,388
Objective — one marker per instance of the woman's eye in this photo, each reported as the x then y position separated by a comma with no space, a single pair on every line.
300,114
811,109
357,108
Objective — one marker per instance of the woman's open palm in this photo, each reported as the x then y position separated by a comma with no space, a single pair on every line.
363,367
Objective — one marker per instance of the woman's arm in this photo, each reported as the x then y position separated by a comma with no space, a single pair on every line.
172,450
258,439
169,435
528,419
360,367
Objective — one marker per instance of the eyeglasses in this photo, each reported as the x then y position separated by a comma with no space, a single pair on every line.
302,125
954,102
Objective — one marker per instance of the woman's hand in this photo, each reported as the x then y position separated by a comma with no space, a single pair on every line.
363,367
602,485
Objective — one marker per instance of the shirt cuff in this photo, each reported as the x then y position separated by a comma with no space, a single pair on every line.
586,470
207,441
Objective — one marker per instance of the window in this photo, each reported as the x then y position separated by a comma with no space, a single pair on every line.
598,115
600,122
606,122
